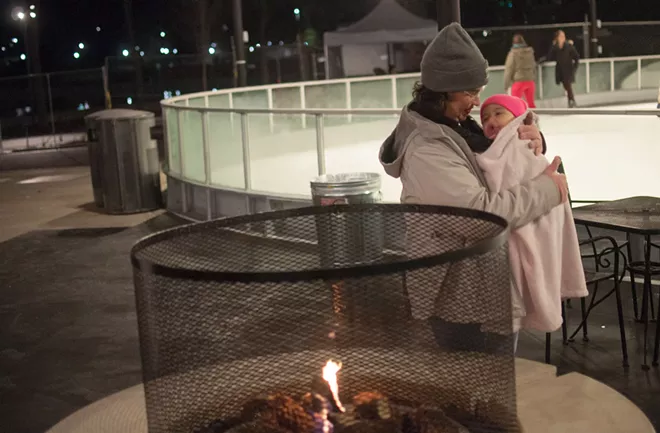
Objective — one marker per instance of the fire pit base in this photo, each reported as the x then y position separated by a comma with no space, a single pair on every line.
568,403
445,397
371,412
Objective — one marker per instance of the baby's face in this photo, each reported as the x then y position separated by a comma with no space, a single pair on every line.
495,117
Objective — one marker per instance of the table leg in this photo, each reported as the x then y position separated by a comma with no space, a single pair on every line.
657,339
646,295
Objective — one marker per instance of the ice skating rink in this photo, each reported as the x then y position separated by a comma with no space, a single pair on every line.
606,156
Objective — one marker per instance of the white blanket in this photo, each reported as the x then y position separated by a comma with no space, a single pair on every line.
545,255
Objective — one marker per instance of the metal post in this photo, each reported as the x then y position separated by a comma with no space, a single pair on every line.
349,101
639,73
269,98
594,28
50,106
240,47
541,81
395,102
585,37
184,199
612,76
448,11
245,141
320,144
207,163
105,73
587,71
303,105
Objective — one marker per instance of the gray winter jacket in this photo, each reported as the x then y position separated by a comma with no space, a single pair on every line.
436,166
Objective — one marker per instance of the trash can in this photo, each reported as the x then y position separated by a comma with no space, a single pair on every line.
348,237
124,161
95,157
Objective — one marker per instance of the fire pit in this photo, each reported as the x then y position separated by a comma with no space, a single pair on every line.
248,325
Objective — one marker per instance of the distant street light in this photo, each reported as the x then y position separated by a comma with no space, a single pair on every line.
98,29
162,34
81,46
33,14
76,55
211,50
296,13
20,15
23,57
175,51
14,40
125,53
32,7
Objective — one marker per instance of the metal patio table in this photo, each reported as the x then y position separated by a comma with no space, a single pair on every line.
638,216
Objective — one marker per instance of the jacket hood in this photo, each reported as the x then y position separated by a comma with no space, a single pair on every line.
392,150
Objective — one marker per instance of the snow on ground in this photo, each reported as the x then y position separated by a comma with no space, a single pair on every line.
606,157
41,141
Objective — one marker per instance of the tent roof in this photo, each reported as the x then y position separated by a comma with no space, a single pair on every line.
387,22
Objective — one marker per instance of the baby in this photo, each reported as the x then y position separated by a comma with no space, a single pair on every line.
544,254
498,111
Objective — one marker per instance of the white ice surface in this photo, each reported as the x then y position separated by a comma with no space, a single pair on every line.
606,158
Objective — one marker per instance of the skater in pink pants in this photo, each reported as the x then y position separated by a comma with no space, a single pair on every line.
520,71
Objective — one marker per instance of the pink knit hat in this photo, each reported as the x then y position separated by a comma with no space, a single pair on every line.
515,105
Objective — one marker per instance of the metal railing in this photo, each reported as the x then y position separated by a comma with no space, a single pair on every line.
229,127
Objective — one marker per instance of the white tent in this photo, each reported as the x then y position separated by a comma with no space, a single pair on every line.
365,44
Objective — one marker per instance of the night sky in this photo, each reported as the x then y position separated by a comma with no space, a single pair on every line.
63,24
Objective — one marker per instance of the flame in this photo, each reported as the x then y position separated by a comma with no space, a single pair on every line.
330,375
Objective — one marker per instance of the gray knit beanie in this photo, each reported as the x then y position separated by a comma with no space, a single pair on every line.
452,62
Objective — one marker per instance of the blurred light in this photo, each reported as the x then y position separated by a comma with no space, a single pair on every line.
98,29
211,50
4,49
14,40
214,45
177,92
175,51
125,53
86,105
510,5
129,100
20,15
296,11
485,33
33,14
141,53
28,109
81,46
251,49
270,43
214,89
281,43
76,55
162,34
23,57
167,94
32,7
81,107
257,45
306,43
137,48
164,50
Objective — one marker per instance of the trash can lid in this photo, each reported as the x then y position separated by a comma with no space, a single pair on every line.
119,113
346,180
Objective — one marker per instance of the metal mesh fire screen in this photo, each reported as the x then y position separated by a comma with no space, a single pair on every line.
245,321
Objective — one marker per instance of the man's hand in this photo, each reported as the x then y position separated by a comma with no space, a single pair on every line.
558,178
529,131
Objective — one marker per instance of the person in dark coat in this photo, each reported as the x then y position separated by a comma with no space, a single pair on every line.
564,53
